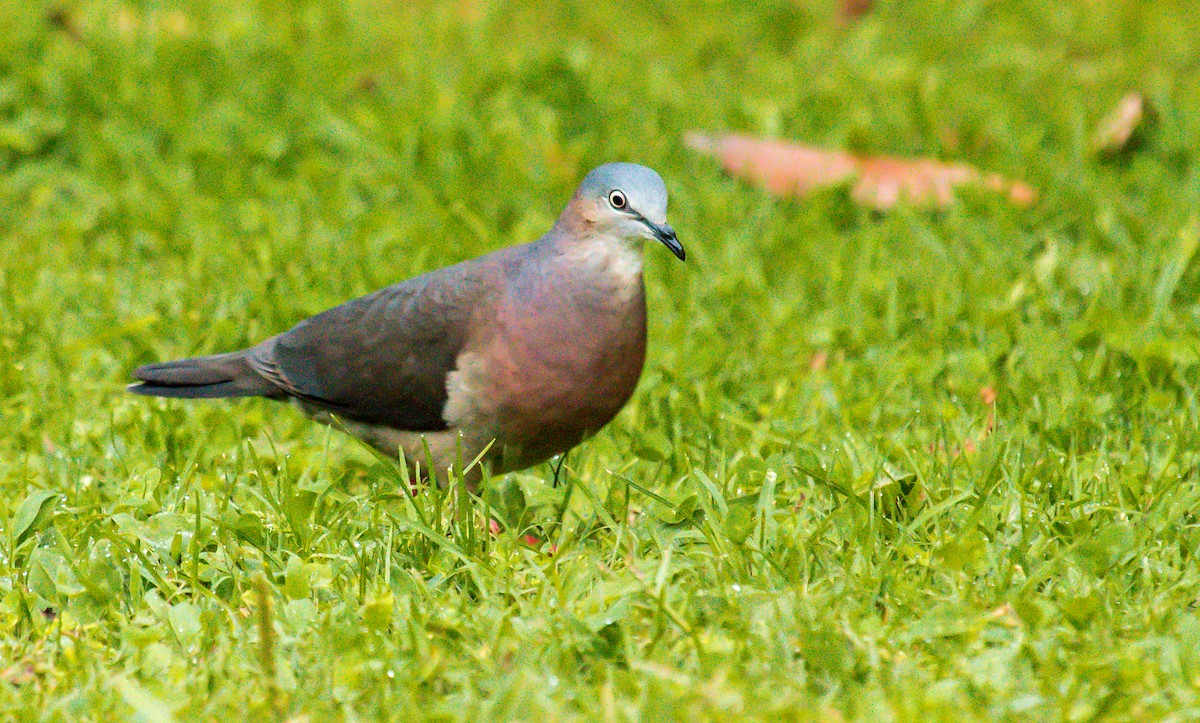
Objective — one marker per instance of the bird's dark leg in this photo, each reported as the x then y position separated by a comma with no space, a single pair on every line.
562,513
561,461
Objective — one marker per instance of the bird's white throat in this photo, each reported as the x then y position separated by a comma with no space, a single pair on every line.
618,259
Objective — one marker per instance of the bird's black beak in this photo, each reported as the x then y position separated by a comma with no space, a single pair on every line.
666,234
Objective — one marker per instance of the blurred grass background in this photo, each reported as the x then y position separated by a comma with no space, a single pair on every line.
811,508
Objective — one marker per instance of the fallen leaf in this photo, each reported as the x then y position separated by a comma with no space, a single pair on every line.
884,182
818,360
62,19
1117,128
367,83
850,10
879,182
19,674
987,395
779,167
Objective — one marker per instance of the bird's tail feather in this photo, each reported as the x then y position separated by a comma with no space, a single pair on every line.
205,377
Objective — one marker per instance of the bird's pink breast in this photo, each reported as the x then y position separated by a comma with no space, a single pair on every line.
561,376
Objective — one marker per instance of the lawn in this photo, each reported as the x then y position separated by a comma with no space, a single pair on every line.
906,465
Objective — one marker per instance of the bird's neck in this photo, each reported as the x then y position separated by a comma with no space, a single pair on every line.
613,260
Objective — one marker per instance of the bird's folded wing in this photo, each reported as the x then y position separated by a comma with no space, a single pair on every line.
383,358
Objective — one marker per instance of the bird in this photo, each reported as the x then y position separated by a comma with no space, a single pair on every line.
511,358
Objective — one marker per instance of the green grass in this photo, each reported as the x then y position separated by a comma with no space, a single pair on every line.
756,535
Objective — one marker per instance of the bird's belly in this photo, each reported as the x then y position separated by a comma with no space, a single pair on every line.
429,455
548,412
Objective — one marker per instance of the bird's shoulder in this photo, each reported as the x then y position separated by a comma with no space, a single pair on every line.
383,358
433,302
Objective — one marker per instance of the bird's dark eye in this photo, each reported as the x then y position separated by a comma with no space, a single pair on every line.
617,199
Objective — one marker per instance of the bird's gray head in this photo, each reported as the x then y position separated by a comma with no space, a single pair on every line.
625,201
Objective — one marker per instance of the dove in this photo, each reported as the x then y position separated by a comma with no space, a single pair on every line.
513,357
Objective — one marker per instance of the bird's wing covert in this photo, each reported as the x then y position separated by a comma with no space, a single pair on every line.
383,358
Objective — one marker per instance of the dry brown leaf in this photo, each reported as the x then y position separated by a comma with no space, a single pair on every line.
850,10
778,167
878,182
818,360
987,395
62,19
1117,128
